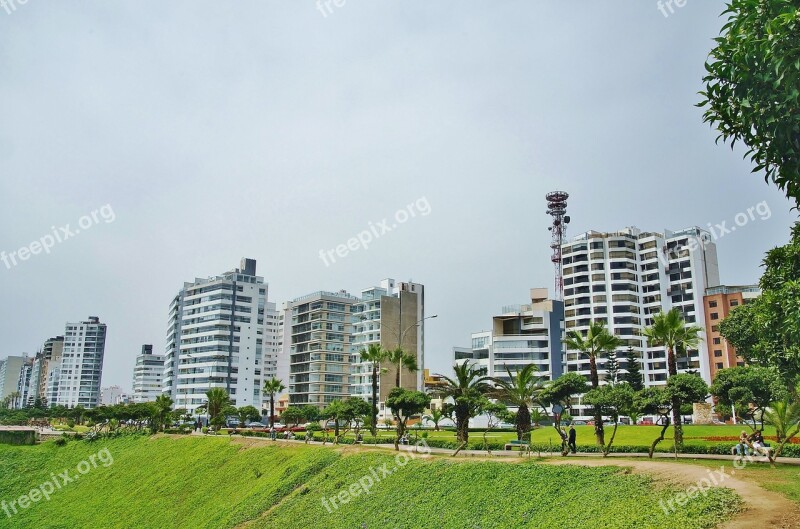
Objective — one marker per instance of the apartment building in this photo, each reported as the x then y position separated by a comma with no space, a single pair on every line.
148,375
719,302
391,315
318,331
81,367
624,278
10,369
520,335
216,333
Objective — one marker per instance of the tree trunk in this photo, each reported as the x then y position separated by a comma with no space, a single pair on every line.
374,425
523,421
672,367
397,375
598,416
462,427
607,448
271,410
660,438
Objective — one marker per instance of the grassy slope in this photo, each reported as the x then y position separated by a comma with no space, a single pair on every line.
207,482
626,435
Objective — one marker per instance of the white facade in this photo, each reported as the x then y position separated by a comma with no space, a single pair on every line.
148,375
9,375
624,278
373,324
81,366
216,335
520,335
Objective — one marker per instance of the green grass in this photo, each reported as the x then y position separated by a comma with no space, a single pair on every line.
215,483
626,435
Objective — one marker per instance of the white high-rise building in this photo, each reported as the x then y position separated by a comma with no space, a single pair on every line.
148,375
113,395
391,315
10,369
24,383
216,336
624,278
520,335
81,369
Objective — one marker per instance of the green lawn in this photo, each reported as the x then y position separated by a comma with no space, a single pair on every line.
626,435
216,483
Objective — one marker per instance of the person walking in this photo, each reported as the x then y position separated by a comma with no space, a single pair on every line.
572,435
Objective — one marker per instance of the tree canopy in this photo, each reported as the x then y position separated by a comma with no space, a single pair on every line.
752,87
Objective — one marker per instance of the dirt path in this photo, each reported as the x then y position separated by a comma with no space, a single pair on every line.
762,508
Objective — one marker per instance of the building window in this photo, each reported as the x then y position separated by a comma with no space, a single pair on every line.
717,353
712,304
717,341
734,303
718,365
714,315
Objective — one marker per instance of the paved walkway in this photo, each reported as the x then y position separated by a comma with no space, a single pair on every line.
520,454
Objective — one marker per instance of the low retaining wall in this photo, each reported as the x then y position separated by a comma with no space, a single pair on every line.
18,437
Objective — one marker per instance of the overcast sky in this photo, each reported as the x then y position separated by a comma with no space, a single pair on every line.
217,130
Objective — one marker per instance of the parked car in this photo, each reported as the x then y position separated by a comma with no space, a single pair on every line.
579,423
256,425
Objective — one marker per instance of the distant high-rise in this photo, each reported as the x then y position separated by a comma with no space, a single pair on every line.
318,338
217,331
390,315
81,368
520,335
148,375
624,278
10,369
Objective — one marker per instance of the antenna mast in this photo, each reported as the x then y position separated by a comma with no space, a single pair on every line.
557,208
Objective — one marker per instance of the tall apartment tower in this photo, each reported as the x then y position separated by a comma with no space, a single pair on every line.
390,315
520,335
49,354
10,369
148,375
215,339
24,383
81,366
624,278
318,337
719,302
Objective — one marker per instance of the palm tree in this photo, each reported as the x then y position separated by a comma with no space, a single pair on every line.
783,415
467,389
14,398
161,410
520,391
596,342
375,354
670,330
273,386
435,416
218,401
402,359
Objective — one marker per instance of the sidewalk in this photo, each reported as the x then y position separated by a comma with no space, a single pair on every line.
534,454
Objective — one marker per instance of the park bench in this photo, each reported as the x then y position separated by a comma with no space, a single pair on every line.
520,444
